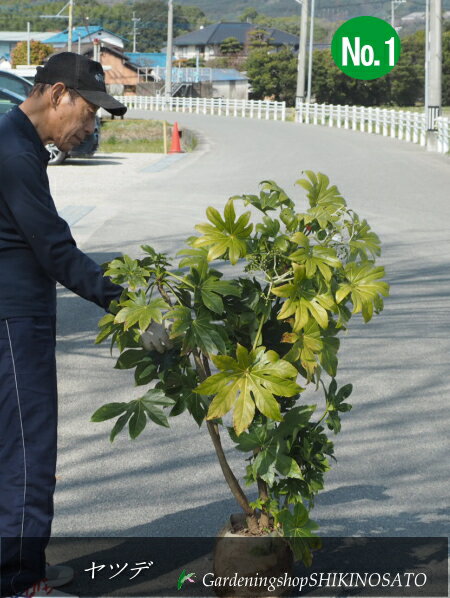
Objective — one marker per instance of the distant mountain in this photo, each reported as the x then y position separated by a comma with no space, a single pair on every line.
232,9
328,9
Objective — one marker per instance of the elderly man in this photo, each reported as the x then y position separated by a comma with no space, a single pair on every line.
36,251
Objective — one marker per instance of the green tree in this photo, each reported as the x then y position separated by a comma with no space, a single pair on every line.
230,46
258,38
269,330
38,53
272,75
446,68
249,15
407,79
331,86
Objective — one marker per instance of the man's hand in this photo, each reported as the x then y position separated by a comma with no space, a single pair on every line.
156,337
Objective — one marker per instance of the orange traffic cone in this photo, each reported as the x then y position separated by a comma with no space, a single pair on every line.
176,147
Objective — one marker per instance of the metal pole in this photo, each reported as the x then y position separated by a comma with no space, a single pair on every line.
69,38
427,53
394,3
28,43
311,42
300,95
168,90
135,22
435,73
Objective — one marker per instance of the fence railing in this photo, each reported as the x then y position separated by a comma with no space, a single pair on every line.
403,125
221,107
443,134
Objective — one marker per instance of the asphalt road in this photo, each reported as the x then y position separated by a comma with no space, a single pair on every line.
392,475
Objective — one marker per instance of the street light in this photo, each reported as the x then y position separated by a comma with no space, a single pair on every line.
311,42
395,3
300,94
60,16
168,89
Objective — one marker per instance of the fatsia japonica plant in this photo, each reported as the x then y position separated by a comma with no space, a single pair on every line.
246,347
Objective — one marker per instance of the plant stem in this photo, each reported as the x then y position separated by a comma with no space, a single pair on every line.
181,280
263,320
164,293
213,429
263,495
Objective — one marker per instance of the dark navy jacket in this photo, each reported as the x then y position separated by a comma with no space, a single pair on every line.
36,246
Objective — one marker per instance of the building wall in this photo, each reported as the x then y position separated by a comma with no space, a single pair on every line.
230,90
118,73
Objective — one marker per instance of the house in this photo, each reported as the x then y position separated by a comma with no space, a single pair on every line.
121,75
206,82
419,17
9,40
413,17
147,59
83,36
206,41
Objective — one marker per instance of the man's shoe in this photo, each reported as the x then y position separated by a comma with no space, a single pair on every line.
41,589
58,575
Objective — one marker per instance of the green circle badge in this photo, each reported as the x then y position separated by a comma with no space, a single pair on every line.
366,48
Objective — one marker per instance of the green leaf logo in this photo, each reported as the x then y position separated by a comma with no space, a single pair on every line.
184,577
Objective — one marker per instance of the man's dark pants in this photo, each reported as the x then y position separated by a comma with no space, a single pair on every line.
28,441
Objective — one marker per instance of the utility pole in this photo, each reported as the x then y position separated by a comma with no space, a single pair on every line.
435,72
69,37
168,90
135,22
395,3
28,43
300,94
311,42
427,53
60,16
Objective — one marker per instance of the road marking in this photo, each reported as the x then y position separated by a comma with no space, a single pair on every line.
73,214
163,163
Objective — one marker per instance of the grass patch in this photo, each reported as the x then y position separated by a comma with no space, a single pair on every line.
132,135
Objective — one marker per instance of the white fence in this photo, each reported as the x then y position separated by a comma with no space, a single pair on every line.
221,107
403,125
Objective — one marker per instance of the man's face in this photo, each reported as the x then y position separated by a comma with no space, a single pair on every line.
72,121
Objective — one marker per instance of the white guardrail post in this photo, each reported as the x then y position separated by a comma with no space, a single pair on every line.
402,124
220,106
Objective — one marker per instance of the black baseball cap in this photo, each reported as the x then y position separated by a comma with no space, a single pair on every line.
84,75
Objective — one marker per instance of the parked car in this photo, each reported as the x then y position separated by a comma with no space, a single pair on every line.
15,89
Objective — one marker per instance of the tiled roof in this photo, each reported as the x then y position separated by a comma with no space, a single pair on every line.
144,59
215,34
77,33
216,74
19,36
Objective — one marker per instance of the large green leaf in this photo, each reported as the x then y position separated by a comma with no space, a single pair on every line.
256,437
307,346
139,310
314,257
298,528
225,234
126,270
271,197
326,203
213,289
152,402
198,331
363,242
130,359
108,411
364,287
251,380
303,301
